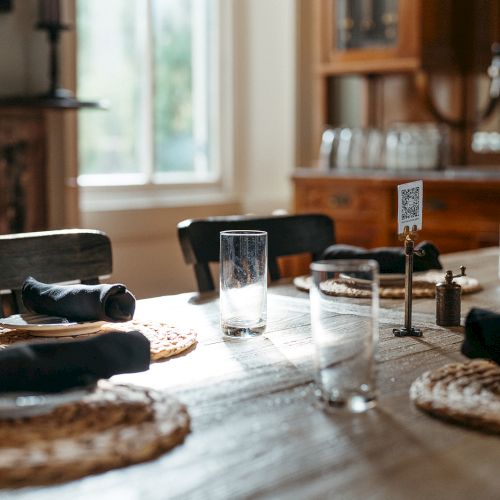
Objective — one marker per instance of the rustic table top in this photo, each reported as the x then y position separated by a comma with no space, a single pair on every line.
257,430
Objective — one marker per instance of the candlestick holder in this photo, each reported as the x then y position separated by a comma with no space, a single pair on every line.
54,30
56,97
409,237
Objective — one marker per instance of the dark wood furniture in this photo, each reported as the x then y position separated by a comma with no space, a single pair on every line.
257,433
287,235
23,172
433,68
389,36
461,208
51,257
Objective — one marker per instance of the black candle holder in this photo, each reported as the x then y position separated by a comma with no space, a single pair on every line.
56,97
54,36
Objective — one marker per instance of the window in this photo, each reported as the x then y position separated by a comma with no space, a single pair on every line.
156,62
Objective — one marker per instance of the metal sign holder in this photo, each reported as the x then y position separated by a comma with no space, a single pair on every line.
409,237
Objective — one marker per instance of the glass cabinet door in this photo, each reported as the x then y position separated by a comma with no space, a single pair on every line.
363,24
366,36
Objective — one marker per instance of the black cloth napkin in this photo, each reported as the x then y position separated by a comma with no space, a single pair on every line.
390,259
79,302
482,335
59,365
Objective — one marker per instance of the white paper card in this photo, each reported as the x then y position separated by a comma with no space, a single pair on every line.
410,198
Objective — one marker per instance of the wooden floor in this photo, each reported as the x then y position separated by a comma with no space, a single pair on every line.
258,433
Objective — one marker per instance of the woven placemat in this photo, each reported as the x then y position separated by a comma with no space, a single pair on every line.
166,340
423,287
112,426
464,393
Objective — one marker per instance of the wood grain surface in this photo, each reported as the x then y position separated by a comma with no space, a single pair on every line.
257,431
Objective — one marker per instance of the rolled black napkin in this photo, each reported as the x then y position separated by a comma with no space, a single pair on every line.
390,259
79,302
482,335
59,365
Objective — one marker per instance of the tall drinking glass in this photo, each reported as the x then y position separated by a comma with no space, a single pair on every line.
344,321
243,283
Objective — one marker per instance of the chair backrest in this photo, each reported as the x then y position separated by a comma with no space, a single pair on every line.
52,257
287,235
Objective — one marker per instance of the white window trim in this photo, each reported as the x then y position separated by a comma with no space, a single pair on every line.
135,190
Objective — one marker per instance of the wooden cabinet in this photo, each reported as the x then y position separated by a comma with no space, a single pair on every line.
364,37
421,61
460,213
379,36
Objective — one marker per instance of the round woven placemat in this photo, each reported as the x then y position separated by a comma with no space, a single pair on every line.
166,340
112,426
423,287
464,393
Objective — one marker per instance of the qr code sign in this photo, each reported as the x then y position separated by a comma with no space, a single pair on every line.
410,203
410,198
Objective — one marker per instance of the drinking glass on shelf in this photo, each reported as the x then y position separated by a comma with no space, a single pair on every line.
343,149
416,146
328,149
345,334
391,148
374,148
243,283
357,146
435,154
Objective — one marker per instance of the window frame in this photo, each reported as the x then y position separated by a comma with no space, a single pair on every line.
157,189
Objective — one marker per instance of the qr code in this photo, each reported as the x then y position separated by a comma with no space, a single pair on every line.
410,204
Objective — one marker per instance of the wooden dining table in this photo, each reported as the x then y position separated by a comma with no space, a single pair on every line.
257,430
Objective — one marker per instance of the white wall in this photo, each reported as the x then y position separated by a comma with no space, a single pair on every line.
146,252
265,55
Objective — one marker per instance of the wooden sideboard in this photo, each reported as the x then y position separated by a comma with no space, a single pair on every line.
461,207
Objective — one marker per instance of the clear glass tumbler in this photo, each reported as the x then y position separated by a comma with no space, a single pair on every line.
344,322
243,283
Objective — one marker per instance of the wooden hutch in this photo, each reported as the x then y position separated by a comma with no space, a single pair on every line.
420,61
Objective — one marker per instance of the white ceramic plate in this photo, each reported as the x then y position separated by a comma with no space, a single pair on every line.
24,404
41,325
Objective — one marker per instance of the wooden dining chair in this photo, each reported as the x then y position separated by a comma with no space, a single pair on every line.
68,255
287,235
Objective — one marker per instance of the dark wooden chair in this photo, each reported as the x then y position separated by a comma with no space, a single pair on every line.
72,255
287,235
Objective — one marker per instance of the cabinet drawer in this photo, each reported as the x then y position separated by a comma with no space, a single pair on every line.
344,201
460,206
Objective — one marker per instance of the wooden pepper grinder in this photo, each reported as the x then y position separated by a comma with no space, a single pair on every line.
448,300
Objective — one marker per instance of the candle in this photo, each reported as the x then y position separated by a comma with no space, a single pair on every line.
49,12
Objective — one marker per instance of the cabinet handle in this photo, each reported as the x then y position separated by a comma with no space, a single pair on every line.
340,200
436,205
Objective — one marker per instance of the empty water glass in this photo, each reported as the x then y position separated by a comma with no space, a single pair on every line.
357,146
375,148
343,158
414,146
328,149
243,283
345,333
